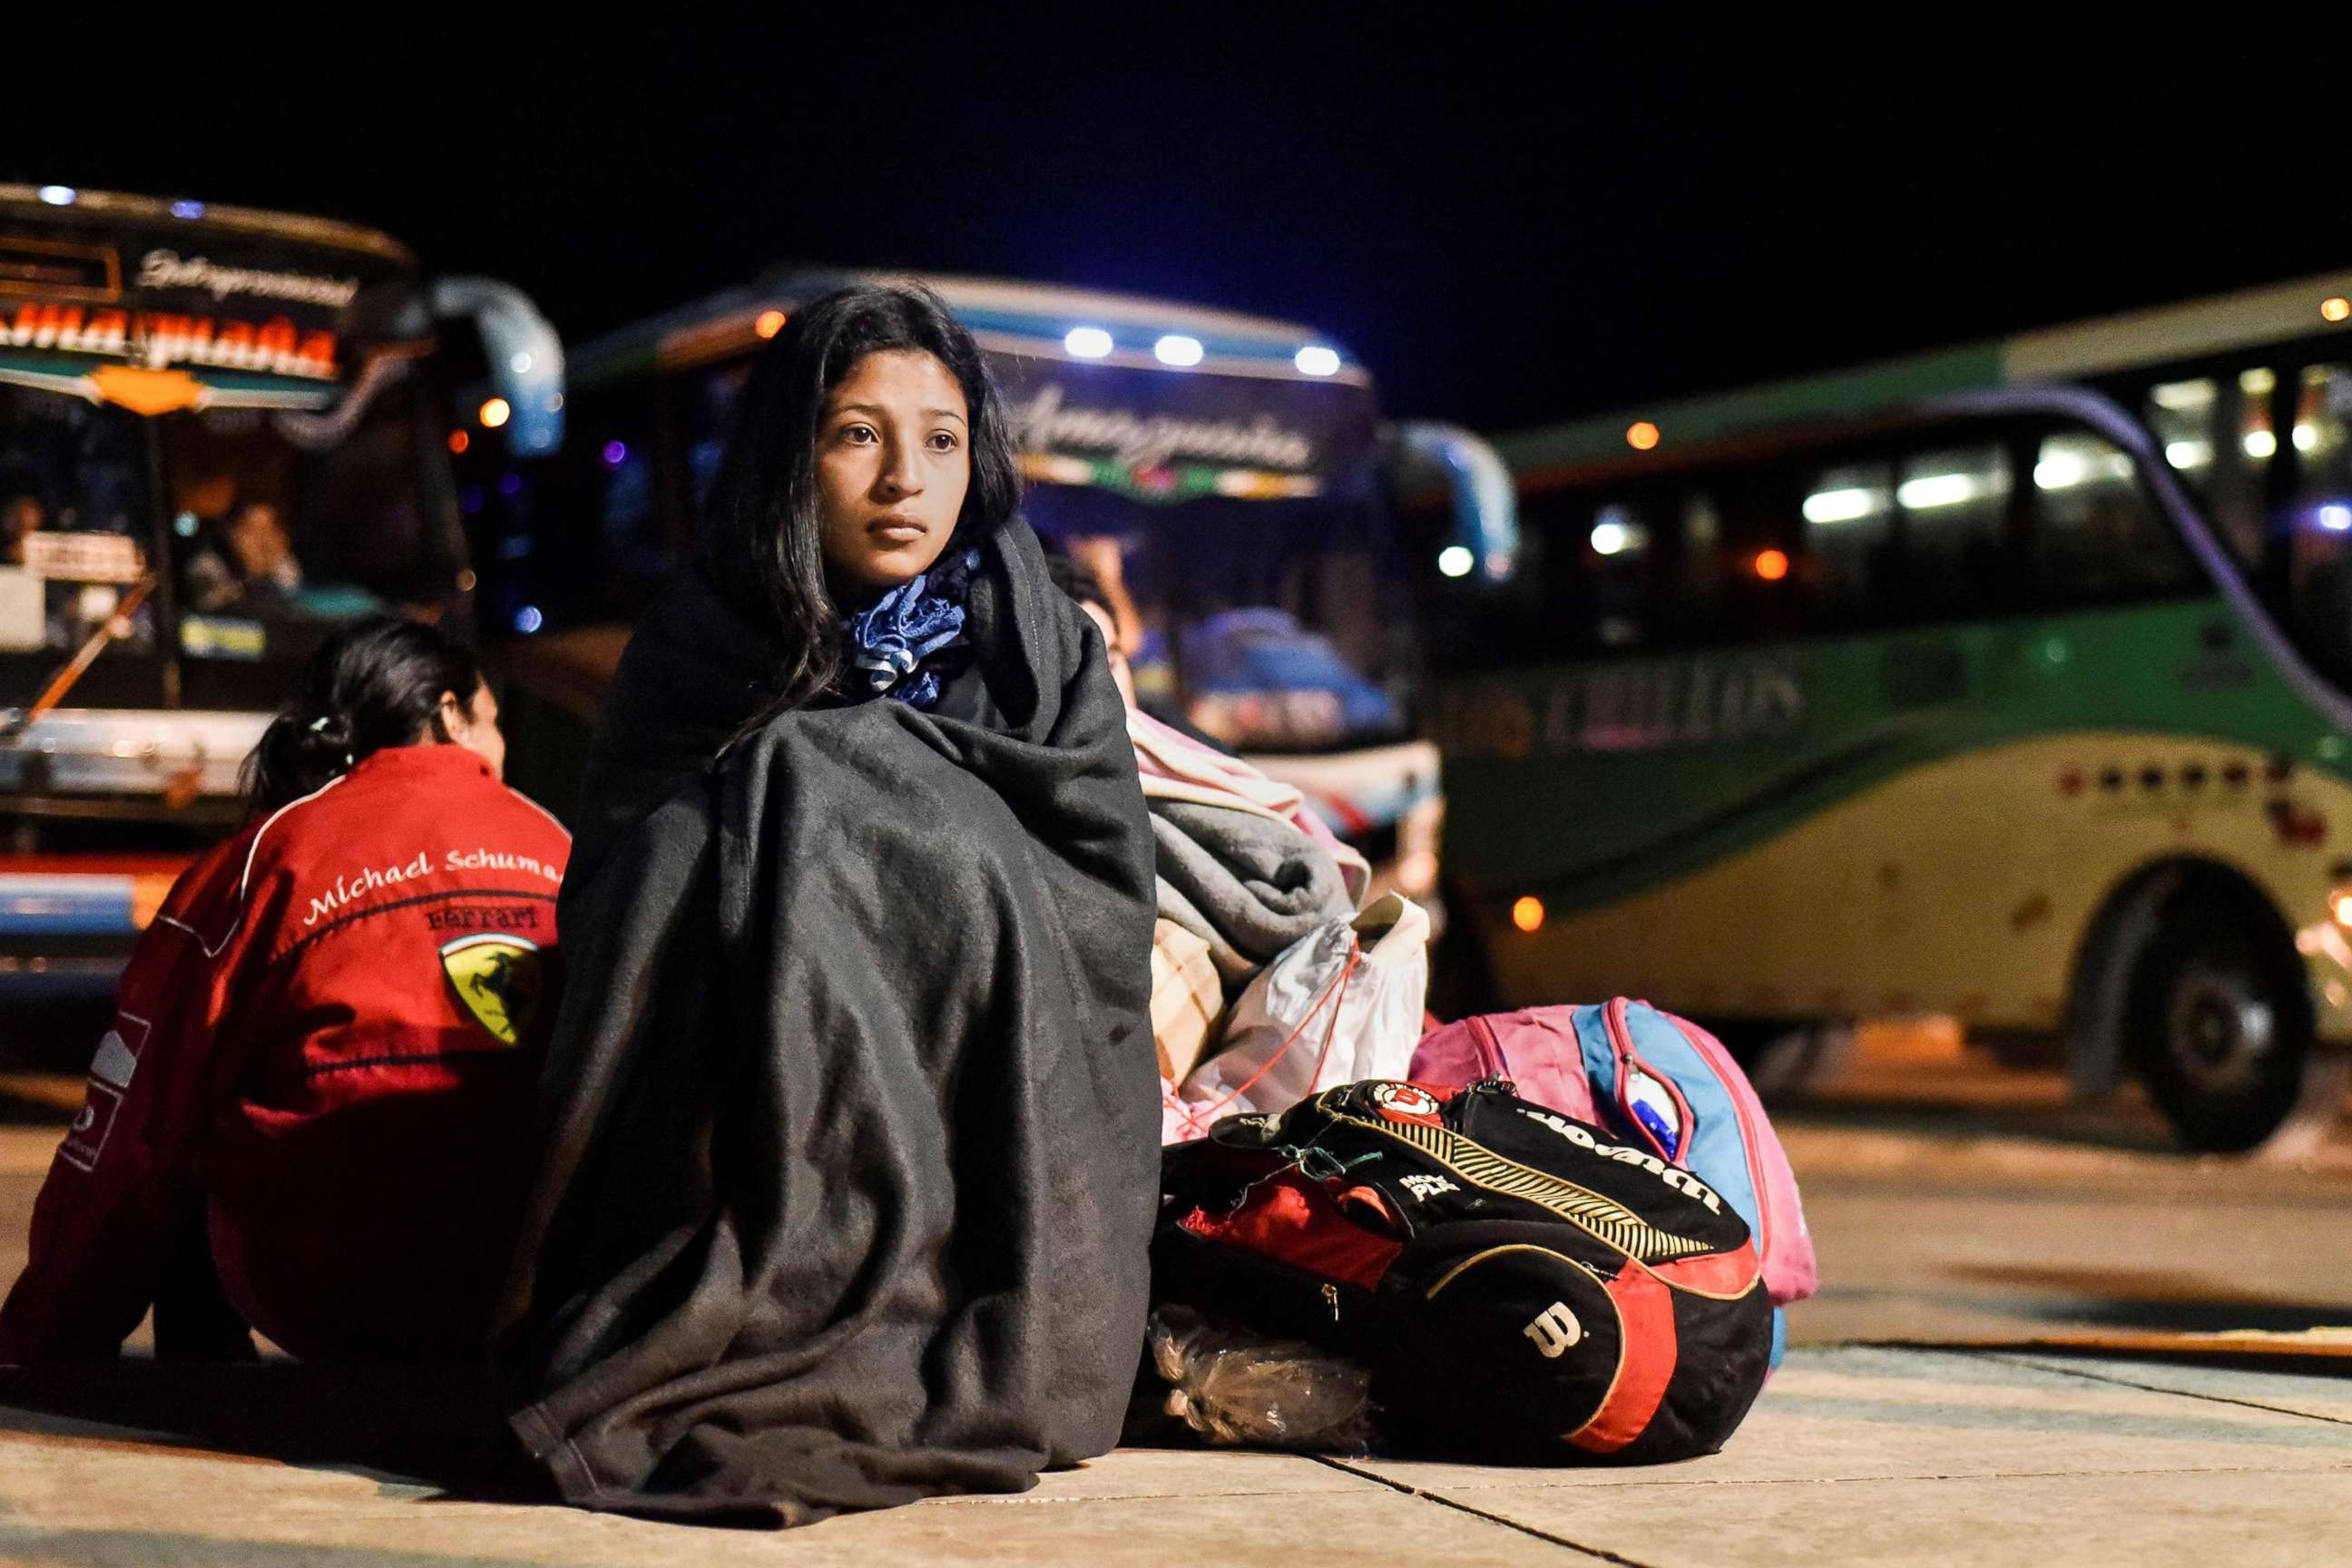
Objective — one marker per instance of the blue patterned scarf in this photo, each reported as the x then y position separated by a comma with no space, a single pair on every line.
921,617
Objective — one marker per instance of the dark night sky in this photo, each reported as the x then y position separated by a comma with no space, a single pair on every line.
1512,221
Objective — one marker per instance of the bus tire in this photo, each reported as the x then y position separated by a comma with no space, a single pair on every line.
2219,1026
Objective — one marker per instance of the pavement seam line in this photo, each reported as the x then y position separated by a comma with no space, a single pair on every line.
1508,1523
2006,1359
975,1500
1902,1476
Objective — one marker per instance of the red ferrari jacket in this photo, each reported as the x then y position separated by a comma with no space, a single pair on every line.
331,1033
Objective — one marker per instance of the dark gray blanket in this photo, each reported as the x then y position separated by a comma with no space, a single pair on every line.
1245,884
851,1147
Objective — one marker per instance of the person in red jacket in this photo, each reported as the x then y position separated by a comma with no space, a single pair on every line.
326,1044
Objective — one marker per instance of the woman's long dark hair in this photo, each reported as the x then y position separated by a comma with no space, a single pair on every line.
375,684
761,543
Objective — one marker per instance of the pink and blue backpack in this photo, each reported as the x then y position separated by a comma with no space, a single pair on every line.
1660,1082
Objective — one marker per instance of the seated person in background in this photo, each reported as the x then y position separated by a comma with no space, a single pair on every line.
326,1044
1074,578
249,563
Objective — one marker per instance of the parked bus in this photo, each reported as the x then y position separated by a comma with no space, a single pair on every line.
2007,684
221,432
1230,475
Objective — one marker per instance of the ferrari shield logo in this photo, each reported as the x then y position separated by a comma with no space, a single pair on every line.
497,979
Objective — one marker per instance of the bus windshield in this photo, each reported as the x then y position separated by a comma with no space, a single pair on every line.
73,477
1272,624
360,509
262,527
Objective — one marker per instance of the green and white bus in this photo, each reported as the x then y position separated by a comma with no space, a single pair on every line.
2007,684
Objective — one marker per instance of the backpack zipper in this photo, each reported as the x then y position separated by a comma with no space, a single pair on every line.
1495,1065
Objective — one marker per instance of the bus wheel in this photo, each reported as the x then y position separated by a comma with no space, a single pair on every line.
2219,1028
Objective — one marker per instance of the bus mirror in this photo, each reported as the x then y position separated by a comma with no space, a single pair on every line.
1485,504
526,357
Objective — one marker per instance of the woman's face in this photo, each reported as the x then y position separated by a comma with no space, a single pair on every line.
893,462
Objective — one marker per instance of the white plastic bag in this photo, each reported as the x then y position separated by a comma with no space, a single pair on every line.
1344,1002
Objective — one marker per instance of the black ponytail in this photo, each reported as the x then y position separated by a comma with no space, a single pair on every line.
375,684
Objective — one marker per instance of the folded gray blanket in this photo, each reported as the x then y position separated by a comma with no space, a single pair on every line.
1247,885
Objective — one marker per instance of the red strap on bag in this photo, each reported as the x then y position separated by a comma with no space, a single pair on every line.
1199,1120
1645,1331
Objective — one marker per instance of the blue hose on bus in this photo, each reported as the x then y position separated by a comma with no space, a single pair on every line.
1485,504
526,357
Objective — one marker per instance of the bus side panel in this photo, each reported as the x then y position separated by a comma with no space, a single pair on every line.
1961,886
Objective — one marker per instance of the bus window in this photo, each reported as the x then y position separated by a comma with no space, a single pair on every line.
2241,472
1621,552
1764,566
2320,556
2181,414
705,400
2096,537
1699,585
1849,538
1955,531
624,492
2216,433
2323,408
75,518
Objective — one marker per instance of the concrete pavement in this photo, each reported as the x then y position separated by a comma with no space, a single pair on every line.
1855,1455
1949,1205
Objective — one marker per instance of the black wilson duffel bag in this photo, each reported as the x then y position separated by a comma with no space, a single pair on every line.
1521,1288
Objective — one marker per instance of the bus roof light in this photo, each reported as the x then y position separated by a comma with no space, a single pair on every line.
1316,359
2334,308
2336,517
1087,342
58,195
495,413
188,210
459,442
769,323
1177,350
1528,914
1641,436
1455,560
1771,565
